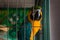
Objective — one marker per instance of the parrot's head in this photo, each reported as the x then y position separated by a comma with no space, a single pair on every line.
35,15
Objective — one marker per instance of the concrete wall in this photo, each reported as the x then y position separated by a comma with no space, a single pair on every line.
55,19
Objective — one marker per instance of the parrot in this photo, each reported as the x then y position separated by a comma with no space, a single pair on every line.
35,18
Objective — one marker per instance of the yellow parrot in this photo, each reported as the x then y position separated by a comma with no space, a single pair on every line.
35,17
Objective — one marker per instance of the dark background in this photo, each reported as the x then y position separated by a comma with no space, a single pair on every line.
55,19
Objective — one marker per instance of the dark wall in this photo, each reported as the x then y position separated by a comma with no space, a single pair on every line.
55,19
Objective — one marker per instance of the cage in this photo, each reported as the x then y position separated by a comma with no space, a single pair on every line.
24,20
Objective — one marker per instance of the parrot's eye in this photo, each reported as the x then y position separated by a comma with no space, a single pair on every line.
36,15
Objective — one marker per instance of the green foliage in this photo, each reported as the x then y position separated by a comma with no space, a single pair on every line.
22,13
